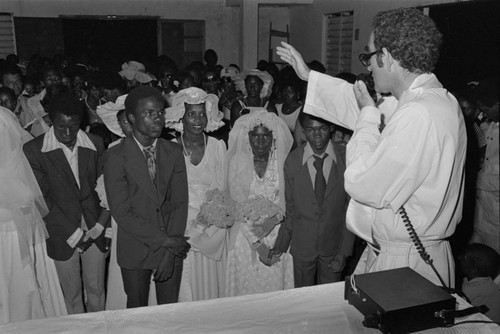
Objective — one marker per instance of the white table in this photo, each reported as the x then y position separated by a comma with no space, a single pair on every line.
320,309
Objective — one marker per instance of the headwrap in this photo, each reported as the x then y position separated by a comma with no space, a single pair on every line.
267,88
193,95
135,70
108,111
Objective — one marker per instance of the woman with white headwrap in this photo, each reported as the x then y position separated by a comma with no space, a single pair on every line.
258,146
193,113
29,285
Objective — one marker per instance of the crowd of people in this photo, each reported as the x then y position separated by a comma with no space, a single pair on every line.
105,174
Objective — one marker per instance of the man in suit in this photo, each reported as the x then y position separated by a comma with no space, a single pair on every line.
66,163
315,207
146,186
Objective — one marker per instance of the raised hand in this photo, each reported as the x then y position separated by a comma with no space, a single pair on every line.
288,54
362,95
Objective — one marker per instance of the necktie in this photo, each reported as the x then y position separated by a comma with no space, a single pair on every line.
319,181
149,153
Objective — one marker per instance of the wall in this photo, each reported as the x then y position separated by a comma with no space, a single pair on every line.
279,16
222,22
306,29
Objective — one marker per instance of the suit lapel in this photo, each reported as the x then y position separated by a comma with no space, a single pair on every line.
138,167
60,163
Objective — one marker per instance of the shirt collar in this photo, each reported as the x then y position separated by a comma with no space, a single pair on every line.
144,147
308,152
50,142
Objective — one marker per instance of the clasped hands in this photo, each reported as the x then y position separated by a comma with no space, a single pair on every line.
89,237
177,246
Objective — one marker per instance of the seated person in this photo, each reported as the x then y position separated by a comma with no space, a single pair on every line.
480,264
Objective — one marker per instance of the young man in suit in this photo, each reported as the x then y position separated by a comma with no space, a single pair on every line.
146,186
67,162
314,226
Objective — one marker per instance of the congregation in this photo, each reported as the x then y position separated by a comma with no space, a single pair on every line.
152,184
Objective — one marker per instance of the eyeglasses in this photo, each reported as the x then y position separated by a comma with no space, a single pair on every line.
364,58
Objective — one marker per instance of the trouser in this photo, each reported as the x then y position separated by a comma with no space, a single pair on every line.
313,272
91,271
136,284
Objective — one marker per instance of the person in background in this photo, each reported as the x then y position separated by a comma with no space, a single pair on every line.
316,202
289,110
210,82
480,264
227,90
134,74
256,87
407,153
11,78
193,113
67,162
211,59
486,220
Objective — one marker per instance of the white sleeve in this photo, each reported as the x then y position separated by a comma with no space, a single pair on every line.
385,169
331,99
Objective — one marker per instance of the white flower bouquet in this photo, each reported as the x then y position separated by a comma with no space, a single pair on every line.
254,213
217,210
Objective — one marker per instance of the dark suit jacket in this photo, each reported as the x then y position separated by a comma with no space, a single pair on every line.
313,230
145,215
67,202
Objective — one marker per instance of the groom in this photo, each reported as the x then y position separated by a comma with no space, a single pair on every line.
146,186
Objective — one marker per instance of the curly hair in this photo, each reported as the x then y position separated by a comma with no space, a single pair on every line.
411,37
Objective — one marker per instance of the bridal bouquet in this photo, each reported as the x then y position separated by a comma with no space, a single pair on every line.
256,214
218,210
258,209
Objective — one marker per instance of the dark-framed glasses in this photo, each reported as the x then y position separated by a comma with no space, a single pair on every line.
364,58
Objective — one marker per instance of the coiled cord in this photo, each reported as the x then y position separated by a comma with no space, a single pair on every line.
418,244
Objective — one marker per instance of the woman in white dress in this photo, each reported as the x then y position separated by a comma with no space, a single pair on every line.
192,113
258,146
29,285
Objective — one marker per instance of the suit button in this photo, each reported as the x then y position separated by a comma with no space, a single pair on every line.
162,228
157,210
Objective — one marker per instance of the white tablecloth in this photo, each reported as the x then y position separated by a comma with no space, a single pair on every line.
319,309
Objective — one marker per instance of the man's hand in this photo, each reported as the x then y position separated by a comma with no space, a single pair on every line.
362,95
178,245
262,230
84,243
95,231
165,268
272,257
288,54
338,263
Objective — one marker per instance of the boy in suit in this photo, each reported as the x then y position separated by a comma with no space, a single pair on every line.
67,162
146,186
314,226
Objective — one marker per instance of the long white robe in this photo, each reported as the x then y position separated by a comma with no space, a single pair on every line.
416,162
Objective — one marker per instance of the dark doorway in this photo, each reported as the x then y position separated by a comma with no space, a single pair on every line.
110,41
471,45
